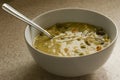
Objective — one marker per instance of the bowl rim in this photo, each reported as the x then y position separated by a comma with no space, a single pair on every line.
47,12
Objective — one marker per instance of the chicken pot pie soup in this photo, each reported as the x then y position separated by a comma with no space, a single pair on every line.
72,39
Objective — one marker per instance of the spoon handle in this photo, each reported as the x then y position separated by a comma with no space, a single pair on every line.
20,16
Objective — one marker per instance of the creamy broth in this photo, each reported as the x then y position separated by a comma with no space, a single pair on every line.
72,39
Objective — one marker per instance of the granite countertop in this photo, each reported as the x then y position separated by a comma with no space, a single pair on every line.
16,62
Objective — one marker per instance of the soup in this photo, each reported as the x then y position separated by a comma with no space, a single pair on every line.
72,39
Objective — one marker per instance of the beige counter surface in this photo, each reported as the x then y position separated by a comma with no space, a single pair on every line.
16,62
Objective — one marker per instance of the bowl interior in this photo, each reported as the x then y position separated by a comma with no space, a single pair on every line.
70,15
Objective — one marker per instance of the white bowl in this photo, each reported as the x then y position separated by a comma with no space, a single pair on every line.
71,66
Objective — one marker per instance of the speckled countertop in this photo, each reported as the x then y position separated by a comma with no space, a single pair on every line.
16,62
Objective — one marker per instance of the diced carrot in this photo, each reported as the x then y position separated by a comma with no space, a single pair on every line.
66,50
74,30
98,48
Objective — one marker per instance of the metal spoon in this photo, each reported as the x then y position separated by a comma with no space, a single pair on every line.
20,16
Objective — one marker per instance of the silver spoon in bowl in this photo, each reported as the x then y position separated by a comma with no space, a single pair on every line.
20,16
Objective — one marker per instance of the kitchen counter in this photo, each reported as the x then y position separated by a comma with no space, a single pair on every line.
16,62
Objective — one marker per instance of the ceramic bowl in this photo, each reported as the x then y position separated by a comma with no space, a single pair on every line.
71,66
